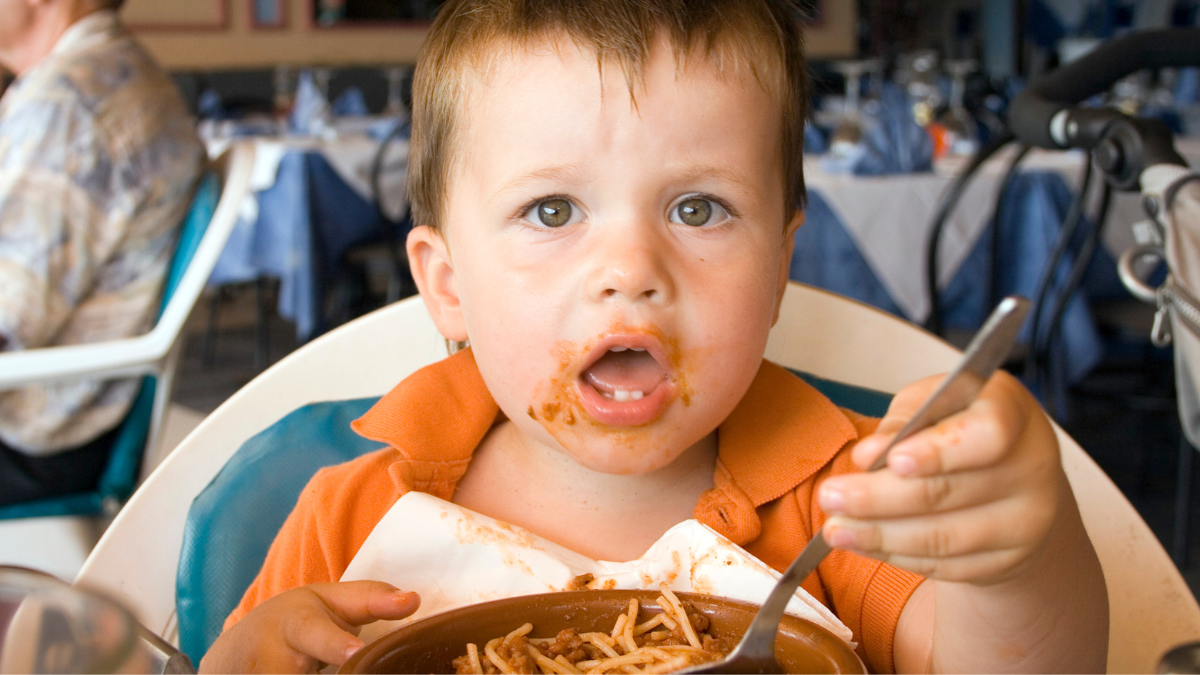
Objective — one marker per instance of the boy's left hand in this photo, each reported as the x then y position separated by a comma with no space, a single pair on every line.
972,498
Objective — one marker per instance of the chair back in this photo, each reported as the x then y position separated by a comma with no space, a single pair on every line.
121,472
138,558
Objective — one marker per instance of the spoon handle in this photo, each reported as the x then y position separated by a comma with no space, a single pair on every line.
987,351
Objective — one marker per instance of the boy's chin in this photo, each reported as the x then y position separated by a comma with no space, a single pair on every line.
622,456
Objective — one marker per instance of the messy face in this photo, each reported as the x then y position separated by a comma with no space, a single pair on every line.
616,263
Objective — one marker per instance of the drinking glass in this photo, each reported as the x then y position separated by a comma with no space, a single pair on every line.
321,77
285,89
49,626
850,127
920,75
395,81
962,133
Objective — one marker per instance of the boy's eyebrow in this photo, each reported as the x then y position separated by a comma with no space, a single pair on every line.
558,174
564,174
720,173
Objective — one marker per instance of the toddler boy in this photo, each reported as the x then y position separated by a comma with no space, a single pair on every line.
607,194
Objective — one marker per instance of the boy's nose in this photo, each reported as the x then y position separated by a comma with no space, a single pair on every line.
631,264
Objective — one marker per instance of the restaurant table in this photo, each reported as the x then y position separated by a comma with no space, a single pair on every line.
312,201
867,238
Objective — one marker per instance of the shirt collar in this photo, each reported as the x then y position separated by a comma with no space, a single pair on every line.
438,414
97,27
780,434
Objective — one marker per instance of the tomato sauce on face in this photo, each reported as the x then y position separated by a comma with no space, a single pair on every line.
559,409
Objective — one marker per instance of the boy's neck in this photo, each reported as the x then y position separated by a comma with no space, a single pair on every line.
604,516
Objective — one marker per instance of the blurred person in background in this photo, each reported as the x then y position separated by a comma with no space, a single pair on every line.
98,160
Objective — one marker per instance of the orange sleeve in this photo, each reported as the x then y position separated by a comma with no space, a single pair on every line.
866,594
333,517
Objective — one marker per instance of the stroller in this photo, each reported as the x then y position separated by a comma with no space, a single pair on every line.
1138,154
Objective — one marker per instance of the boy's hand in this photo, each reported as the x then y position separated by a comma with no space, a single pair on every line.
297,631
972,498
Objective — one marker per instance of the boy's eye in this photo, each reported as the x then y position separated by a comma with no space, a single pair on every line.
698,212
553,212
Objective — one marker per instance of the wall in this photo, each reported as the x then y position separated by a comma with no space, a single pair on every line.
234,43
218,34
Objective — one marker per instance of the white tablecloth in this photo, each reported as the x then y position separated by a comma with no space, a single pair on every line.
891,217
350,152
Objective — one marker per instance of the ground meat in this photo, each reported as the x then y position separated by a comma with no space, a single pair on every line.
580,583
516,653
568,644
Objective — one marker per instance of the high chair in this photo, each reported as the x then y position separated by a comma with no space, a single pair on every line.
858,350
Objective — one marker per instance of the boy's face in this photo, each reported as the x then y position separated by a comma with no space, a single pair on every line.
616,265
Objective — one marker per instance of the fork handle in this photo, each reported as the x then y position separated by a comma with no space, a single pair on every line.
771,613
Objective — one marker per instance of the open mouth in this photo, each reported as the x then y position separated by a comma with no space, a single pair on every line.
627,383
625,374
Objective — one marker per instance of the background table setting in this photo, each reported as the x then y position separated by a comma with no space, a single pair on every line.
313,195
883,157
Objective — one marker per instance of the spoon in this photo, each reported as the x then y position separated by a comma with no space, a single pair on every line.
755,653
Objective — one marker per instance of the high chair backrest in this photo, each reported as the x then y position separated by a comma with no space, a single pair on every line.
818,332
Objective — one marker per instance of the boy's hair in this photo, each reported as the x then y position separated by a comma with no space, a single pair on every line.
762,36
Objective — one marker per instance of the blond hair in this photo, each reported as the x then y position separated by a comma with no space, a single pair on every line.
762,37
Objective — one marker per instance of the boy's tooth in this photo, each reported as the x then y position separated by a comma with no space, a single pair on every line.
617,349
637,349
635,395
621,395
606,395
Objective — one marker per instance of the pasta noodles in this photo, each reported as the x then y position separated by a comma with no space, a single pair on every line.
673,639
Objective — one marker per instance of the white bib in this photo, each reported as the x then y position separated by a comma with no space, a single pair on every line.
452,557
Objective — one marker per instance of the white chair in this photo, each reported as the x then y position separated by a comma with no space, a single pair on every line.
60,543
136,560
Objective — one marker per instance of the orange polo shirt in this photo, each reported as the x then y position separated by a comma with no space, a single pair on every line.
783,438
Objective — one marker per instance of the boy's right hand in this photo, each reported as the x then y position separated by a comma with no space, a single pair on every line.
301,629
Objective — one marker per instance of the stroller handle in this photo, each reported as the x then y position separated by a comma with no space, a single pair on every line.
1032,113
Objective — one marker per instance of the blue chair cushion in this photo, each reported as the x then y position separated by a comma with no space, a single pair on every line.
233,521
125,459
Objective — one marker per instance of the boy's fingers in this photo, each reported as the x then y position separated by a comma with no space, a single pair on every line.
362,602
904,405
993,526
975,567
313,634
885,494
976,437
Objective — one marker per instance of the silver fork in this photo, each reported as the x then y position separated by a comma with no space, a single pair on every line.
755,653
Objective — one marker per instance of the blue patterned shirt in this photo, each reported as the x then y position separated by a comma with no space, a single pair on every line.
98,160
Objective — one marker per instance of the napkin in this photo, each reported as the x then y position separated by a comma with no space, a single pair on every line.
350,103
452,557
310,111
895,144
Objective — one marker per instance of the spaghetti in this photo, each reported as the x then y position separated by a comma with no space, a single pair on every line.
673,639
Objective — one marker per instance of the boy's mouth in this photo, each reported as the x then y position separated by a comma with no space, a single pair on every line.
627,382
625,374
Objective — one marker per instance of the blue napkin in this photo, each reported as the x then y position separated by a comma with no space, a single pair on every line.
381,129
210,107
350,103
895,143
1187,87
815,142
310,112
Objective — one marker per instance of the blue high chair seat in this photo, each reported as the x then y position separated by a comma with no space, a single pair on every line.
139,559
232,522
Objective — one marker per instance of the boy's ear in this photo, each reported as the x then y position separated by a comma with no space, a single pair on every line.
785,259
433,271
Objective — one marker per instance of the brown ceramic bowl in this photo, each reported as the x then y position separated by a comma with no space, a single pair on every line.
429,645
